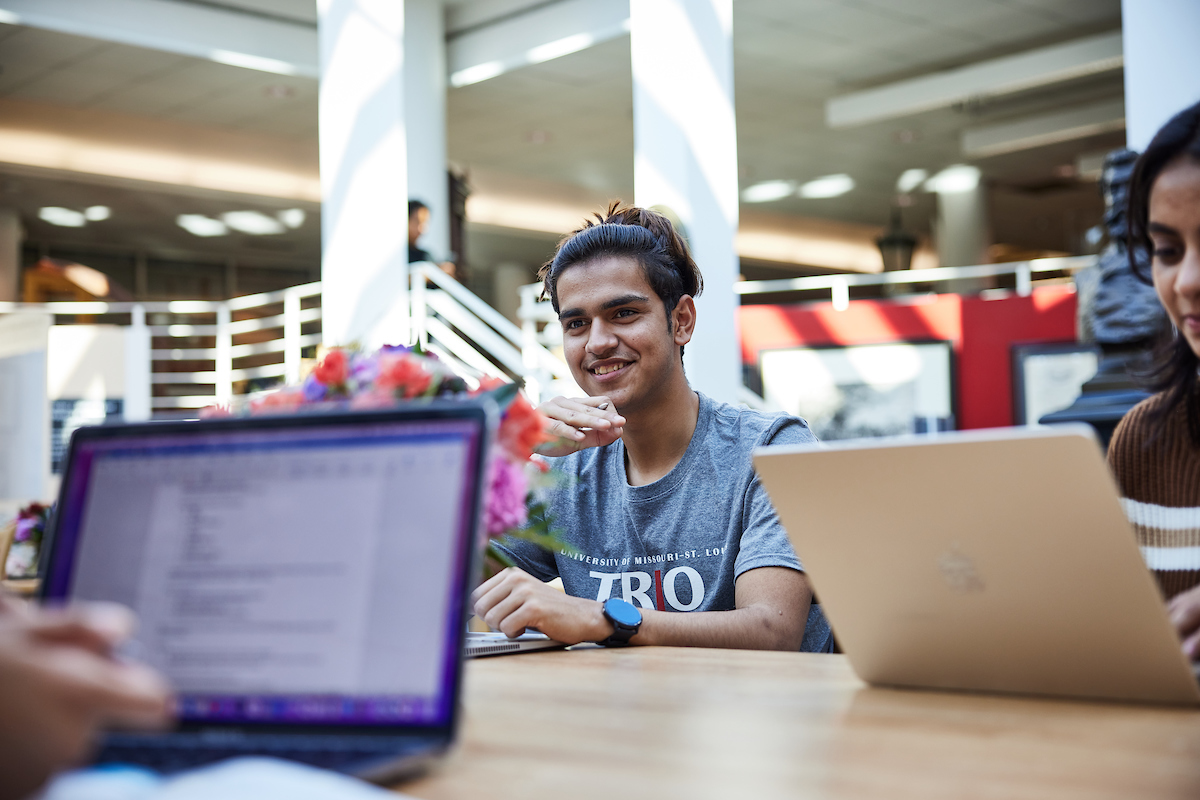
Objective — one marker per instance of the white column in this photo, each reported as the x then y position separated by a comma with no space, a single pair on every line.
364,181
10,255
685,157
1162,64
425,113
138,386
962,230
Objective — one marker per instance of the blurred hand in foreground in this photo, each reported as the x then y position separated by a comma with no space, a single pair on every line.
59,683
1184,610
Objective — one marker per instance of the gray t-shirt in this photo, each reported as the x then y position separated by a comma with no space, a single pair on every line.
680,543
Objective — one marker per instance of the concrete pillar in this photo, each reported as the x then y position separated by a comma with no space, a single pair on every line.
962,229
364,175
1162,64
685,157
11,235
425,113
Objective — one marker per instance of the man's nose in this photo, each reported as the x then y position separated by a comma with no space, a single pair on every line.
601,339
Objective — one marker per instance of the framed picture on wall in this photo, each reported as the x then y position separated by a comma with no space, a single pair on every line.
861,391
1048,377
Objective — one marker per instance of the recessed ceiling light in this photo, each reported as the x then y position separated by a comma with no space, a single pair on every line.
766,191
254,223
65,217
200,225
292,217
827,186
911,179
955,179
97,213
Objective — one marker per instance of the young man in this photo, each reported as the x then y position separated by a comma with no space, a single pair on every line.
664,509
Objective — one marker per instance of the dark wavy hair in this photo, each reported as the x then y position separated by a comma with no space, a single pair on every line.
632,232
1174,372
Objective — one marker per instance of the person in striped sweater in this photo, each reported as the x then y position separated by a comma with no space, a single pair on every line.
1155,451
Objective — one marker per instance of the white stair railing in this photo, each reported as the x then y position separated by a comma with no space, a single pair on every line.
230,342
453,322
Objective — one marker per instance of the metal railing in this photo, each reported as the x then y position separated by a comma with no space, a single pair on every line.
460,327
1026,273
540,328
184,355
187,354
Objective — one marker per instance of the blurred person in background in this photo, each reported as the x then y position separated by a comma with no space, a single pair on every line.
1155,451
60,683
418,223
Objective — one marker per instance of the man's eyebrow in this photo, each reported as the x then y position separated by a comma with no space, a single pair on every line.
623,300
1158,227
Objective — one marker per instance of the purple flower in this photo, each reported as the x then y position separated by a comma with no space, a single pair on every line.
25,528
364,370
395,348
508,486
313,389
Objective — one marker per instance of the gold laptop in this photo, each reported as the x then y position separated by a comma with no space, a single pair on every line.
995,561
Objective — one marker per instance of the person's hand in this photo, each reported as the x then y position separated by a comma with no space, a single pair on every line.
1184,610
449,268
514,600
59,683
577,423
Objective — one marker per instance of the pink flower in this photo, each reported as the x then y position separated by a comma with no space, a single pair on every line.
406,375
506,497
333,369
216,411
283,400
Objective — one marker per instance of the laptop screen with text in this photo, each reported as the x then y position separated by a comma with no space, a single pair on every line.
289,574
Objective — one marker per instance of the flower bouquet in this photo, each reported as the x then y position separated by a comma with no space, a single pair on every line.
27,531
355,379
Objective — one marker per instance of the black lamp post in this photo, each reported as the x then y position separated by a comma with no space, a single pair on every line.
896,245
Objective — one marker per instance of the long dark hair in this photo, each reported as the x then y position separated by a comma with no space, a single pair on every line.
1176,364
638,233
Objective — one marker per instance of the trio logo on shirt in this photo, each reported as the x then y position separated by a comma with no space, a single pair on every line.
662,589
663,586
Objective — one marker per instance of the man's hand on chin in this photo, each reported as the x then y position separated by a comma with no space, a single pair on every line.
515,600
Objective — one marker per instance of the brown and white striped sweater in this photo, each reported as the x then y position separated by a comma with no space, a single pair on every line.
1159,477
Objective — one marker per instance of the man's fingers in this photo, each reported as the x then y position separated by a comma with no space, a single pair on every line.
72,630
1185,614
109,690
498,617
485,587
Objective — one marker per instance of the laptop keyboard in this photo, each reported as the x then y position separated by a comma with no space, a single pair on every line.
167,754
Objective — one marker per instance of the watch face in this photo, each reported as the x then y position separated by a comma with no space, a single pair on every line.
623,613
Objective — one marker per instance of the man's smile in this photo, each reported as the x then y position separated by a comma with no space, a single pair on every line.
604,368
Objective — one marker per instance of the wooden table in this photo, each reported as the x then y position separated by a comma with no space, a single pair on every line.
725,724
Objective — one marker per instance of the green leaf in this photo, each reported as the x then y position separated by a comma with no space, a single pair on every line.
503,395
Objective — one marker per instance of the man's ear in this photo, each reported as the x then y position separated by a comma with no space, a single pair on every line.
683,320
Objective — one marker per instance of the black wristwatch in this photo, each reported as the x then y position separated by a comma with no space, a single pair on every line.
625,620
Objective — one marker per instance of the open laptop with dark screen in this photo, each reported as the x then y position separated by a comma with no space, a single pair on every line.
301,581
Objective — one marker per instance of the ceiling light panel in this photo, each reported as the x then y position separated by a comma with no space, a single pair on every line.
254,223
827,186
63,217
767,191
200,225
911,179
